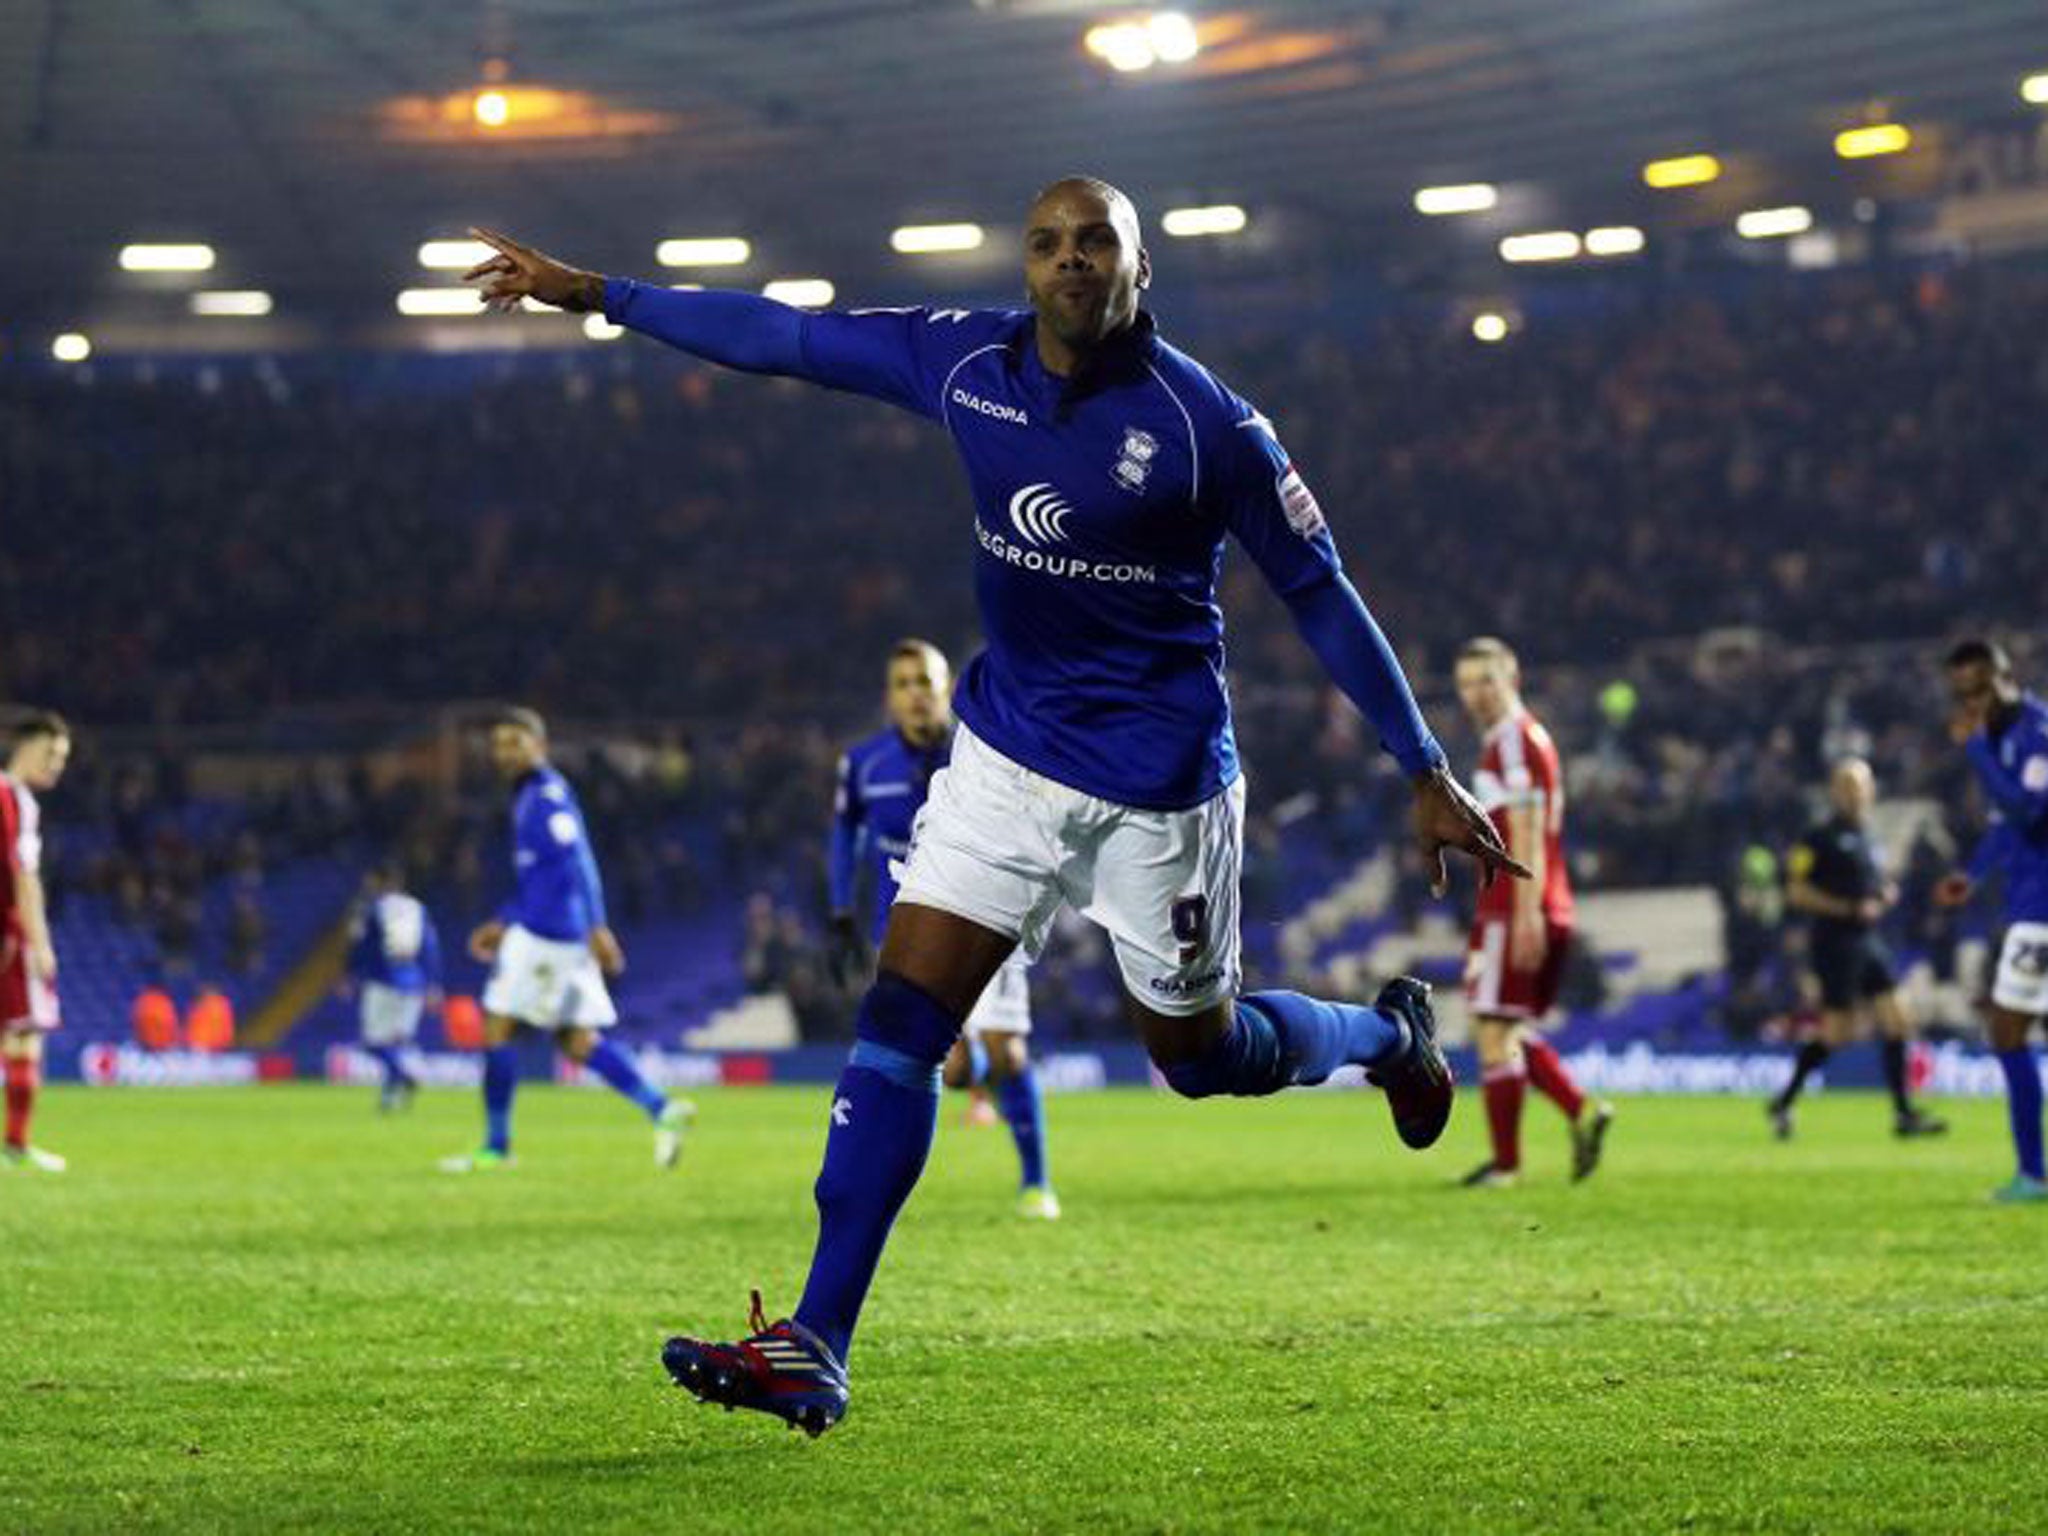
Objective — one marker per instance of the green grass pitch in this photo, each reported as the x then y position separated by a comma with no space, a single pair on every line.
264,1310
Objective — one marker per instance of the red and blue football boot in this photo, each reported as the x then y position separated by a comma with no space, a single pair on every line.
781,1368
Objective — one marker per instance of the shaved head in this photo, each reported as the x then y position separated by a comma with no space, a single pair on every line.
1122,211
1853,787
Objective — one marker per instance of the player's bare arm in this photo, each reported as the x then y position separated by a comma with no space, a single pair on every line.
35,924
484,940
605,947
1528,935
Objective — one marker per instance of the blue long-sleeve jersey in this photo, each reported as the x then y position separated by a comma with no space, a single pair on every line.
1102,504
396,945
883,781
2012,765
557,892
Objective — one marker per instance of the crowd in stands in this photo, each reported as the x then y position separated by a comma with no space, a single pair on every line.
622,535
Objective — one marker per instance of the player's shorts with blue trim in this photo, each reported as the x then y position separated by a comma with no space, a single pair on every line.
548,983
389,1015
1005,847
1004,1007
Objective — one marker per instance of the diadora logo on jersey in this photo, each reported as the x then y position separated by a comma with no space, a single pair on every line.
1134,459
1040,513
993,408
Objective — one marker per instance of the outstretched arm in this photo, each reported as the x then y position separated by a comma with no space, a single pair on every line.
898,356
738,330
1341,630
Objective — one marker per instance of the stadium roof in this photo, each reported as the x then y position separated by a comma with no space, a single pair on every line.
316,143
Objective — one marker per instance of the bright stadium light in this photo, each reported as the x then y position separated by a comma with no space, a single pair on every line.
493,109
1681,171
166,258
704,251
1217,219
2035,89
420,302
929,239
800,292
1471,197
1172,37
1614,240
1545,245
245,303
1771,223
597,328
70,348
1490,327
1125,46
1873,139
455,255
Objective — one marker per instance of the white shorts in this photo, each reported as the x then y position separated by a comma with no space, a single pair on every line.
390,1017
2022,982
1004,1007
1005,847
548,983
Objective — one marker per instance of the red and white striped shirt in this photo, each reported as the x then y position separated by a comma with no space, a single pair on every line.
1518,767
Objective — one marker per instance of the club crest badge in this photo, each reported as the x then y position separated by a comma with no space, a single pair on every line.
1134,459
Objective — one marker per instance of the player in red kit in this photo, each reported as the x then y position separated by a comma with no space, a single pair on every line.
1522,931
40,746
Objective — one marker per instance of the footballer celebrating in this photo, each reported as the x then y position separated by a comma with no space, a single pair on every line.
1094,764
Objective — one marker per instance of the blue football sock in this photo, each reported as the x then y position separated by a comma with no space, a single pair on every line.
618,1069
1024,1108
884,1111
2023,1104
1283,1039
386,1057
501,1077
977,1062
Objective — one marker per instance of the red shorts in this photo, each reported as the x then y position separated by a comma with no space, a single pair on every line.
26,1002
1496,989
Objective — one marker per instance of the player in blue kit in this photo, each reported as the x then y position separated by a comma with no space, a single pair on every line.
883,782
550,950
2004,733
394,967
1094,764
